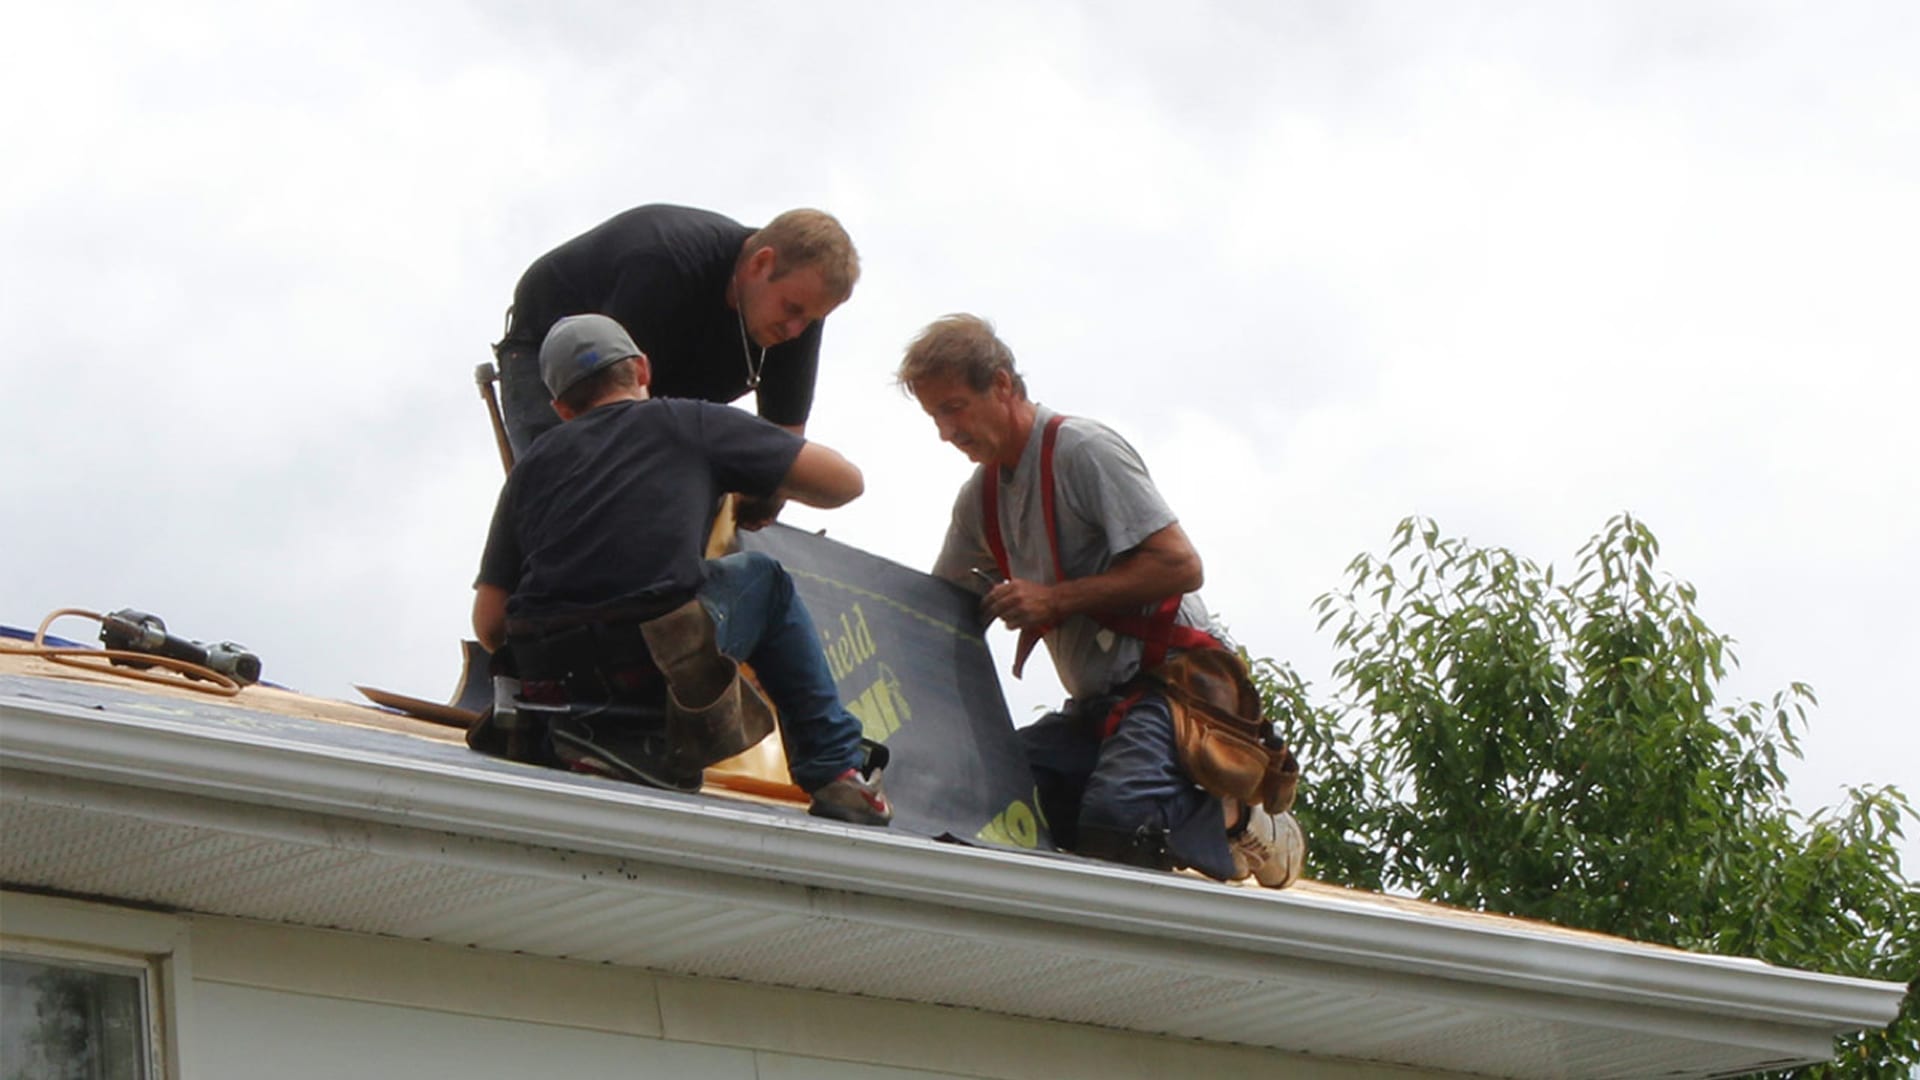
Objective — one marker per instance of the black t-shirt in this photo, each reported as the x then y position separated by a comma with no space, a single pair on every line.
610,510
661,272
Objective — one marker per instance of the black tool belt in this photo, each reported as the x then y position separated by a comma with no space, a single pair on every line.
589,656
602,662
636,612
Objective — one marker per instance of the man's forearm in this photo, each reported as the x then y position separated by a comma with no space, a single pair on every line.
490,616
1141,578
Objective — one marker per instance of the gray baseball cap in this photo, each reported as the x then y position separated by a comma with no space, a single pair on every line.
580,345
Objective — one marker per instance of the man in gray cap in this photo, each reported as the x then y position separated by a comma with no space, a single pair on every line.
593,563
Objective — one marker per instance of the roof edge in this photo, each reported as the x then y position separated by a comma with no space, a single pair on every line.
1164,910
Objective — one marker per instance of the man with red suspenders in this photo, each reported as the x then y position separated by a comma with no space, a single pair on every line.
1064,533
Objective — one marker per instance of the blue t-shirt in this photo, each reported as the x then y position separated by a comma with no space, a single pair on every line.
610,510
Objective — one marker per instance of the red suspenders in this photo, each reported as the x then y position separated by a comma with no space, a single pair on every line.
1158,631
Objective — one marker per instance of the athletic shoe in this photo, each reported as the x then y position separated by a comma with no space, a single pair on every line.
1268,847
850,798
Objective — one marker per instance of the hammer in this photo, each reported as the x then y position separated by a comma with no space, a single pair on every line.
486,376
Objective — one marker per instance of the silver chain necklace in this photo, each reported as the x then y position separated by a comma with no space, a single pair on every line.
746,350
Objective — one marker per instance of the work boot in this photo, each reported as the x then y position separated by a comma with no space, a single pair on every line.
851,798
712,713
1268,847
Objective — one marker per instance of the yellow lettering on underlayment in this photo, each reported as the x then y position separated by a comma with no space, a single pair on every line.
1015,827
851,647
881,708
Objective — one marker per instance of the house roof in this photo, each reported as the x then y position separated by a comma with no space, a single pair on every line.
296,810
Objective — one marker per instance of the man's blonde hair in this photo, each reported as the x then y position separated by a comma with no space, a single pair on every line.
958,346
803,238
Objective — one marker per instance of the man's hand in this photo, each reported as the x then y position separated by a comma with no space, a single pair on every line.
753,514
1022,604
1163,565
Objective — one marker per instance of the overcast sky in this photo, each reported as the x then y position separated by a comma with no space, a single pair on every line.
1514,267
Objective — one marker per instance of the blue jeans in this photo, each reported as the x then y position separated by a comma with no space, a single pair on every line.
1123,784
761,621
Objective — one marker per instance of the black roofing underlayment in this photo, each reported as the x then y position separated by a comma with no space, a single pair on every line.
908,654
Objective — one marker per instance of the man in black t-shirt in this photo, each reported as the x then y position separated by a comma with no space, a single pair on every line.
720,309
603,522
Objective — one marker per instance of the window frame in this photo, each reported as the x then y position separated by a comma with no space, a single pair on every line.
59,931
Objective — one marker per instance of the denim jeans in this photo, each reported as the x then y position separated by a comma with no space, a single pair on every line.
525,404
1129,781
761,621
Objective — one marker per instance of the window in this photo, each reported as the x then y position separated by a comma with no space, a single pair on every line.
89,991
75,1018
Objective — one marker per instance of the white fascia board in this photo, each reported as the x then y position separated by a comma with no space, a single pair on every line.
1163,911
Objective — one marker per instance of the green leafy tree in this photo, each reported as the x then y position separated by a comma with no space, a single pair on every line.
1507,742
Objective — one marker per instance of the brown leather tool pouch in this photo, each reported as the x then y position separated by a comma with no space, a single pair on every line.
1225,744
713,712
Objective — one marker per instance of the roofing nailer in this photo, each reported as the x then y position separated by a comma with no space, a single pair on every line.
136,631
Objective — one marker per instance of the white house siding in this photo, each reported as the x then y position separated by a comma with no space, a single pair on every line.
246,1033
257,999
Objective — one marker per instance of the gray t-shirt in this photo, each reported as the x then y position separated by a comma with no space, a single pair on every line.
1105,505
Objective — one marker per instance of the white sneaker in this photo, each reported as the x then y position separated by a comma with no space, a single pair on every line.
1270,848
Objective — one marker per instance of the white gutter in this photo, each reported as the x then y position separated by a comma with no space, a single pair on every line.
1166,916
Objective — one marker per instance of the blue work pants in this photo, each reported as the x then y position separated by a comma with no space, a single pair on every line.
1129,783
761,621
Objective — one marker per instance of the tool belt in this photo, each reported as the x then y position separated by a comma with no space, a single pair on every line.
651,700
1223,741
713,712
588,661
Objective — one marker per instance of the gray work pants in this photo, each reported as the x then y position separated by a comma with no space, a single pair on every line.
524,402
